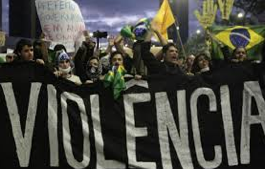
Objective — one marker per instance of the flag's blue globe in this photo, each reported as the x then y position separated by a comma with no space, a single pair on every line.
141,28
240,37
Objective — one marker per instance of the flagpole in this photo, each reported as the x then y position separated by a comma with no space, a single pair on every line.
180,40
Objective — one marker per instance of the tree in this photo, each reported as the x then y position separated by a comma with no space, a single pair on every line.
252,10
196,44
254,7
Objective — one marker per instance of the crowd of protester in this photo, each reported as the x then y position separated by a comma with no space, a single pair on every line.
90,65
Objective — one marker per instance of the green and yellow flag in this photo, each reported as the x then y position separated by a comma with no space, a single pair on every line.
249,37
115,79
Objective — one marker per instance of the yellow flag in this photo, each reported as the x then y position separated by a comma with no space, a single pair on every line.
164,18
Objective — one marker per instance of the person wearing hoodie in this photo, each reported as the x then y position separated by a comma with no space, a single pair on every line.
65,66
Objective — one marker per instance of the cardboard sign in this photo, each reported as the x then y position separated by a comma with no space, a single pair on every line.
61,22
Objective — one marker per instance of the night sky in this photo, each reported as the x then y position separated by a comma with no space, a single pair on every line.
112,15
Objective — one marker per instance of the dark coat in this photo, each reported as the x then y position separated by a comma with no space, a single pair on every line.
155,66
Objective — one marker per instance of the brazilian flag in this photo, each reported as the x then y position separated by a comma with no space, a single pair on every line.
2,60
249,37
115,79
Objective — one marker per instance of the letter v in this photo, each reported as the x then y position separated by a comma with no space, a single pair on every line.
23,144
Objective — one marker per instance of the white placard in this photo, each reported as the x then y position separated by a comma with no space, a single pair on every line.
61,22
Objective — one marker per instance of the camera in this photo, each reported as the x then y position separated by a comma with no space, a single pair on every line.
99,34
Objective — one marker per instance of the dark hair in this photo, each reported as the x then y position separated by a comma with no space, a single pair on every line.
37,43
113,54
59,47
195,67
234,51
20,44
91,58
93,73
167,46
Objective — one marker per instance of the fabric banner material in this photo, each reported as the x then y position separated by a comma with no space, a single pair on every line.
213,120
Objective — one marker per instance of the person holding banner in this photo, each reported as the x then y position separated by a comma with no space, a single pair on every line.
84,53
170,57
93,70
239,54
40,50
188,64
25,52
201,64
65,66
127,60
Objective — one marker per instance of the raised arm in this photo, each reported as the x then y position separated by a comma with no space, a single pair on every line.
153,65
110,45
163,41
118,42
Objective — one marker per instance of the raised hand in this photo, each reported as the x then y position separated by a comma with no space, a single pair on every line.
207,17
111,40
155,27
225,8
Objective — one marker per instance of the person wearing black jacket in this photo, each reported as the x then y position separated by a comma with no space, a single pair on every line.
154,66
25,52
84,53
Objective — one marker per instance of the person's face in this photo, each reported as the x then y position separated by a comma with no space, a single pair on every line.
27,53
203,62
190,60
172,55
240,54
93,63
64,64
117,60
91,44
37,52
9,58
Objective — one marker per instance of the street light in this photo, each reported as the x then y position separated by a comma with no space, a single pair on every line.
198,31
240,15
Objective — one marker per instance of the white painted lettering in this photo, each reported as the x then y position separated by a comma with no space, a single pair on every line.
102,163
167,125
23,143
132,132
251,90
196,132
67,135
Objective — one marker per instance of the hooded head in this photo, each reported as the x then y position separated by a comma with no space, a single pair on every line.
64,63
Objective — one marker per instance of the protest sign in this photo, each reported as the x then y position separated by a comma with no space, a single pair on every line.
61,22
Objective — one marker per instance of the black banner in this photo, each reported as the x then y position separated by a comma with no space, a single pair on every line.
213,120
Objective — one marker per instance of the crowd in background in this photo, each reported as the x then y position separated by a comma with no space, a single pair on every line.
91,65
